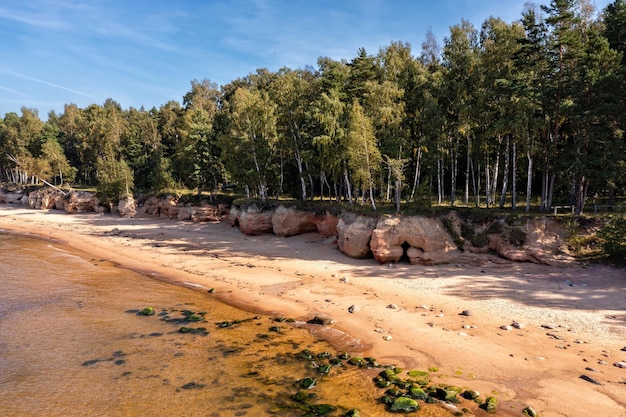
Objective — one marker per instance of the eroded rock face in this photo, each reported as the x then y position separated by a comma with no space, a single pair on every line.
291,222
165,207
426,240
45,199
127,207
354,233
81,202
255,221
205,214
326,224
11,197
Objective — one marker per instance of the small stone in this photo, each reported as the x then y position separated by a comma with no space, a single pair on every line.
548,326
462,334
590,379
378,330
344,280
392,306
387,337
591,369
507,327
466,326
620,365
530,412
354,309
624,349
601,362
465,313
518,325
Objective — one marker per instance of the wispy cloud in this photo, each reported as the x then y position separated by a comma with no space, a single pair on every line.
37,80
10,90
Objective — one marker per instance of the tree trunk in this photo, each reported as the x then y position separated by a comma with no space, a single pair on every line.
467,169
348,187
505,175
514,176
416,177
529,181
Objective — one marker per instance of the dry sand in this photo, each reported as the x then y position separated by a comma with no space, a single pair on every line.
407,315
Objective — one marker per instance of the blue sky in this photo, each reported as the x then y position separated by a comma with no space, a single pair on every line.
146,52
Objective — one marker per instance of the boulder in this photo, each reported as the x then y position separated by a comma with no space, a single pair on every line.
81,202
291,222
127,207
44,198
426,240
354,233
256,221
184,213
326,224
205,214
12,197
233,216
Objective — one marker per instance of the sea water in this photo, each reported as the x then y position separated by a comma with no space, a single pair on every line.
73,342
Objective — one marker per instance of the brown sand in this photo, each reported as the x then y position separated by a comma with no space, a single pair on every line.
417,306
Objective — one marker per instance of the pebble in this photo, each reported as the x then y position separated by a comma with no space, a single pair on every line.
548,326
590,379
354,309
439,315
507,327
620,365
624,348
518,325
344,280
591,369
392,306
462,334
601,362
387,337
465,313
467,327
377,330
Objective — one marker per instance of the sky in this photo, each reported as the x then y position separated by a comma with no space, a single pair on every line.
147,52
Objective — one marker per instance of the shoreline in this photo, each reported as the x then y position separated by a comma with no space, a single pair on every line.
417,308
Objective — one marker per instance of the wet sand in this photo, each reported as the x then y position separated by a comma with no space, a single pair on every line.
407,315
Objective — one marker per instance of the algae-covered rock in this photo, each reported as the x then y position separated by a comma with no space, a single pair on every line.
490,405
418,393
404,405
307,383
352,413
148,311
470,394
530,412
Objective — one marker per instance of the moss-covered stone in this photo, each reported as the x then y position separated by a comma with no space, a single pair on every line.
148,311
404,405
490,405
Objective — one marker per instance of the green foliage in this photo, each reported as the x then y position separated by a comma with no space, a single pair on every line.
612,235
115,179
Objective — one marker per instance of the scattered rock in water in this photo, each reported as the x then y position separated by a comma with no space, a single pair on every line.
530,412
620,365
148,311
321,319
193,385
354,309
404,405
466,313
307,383
590,379
490,405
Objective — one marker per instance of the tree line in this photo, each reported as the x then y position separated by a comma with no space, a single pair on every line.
532,109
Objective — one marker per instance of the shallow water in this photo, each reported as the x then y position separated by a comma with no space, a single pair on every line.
72,343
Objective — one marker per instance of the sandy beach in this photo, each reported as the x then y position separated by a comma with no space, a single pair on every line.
523,333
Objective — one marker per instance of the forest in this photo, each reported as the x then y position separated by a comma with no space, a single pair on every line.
510,115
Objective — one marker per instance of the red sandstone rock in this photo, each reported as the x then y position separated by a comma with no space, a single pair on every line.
255,221
354,233
431,242
291,222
